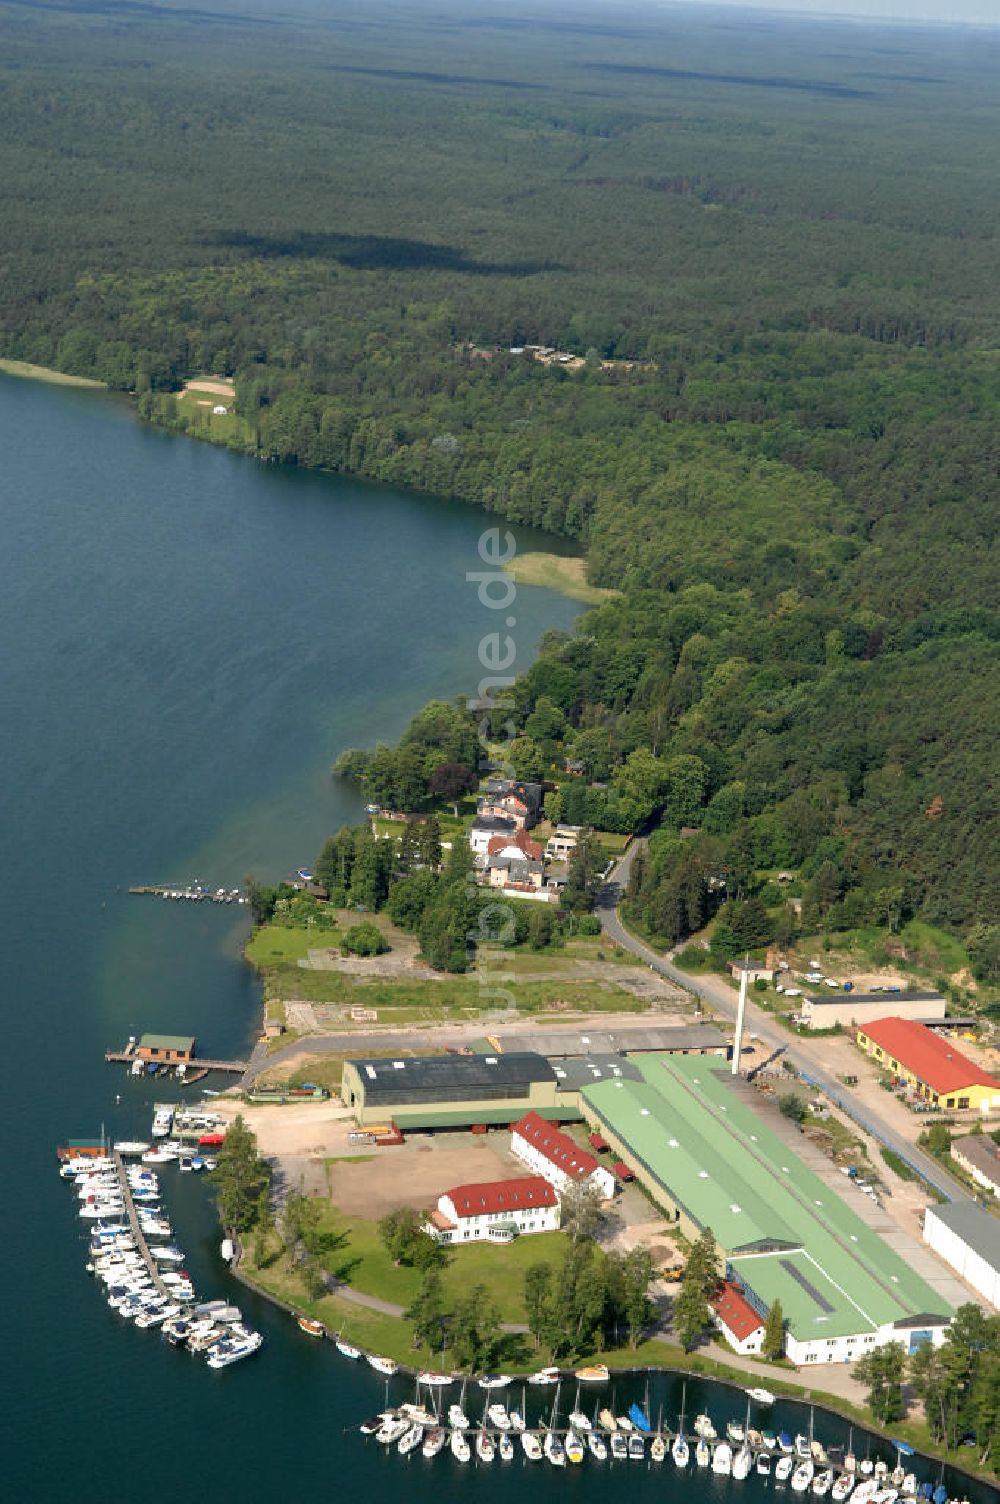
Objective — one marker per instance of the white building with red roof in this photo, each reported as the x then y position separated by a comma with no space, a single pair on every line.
736,1318
551,1153
498,1210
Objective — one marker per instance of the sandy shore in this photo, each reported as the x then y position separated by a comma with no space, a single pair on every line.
45,373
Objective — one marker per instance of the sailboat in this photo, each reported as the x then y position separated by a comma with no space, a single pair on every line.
531,1446
457,1418
680,1451
722,1458
518,1418
702,1452
553,1448
658,1446
485,1449
577,1419
460,1449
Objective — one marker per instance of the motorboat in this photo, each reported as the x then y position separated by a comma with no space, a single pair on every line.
822,1483
460,1449
607,1420
346,1350
494,1381
619,1446
769,1440
703,1427
761,1396
167,1254
498,1417
597,1446
204,1338
393,1427
545,1376
517,1419
417,1413
783,1468
886,1496
763,1465
579,1421
803,1476
594,1373
156,1315
505,1446
177,1329
742,1463
531,1446
842,1487
158,1155
434,1380
803,1447
735,1432
785,1443
623,1423
909,1485
375,1424
457,1418
434,1441
554,1450
485,1449
702,1452
411,1438
127,1146
387,1366
722,1458
680,1451
636,1447
310,1327
574,1447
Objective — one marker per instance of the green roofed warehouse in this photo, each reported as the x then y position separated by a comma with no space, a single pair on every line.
708,1159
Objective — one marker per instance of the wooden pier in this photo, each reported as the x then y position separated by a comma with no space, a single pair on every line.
202,1067
137,1232
189,893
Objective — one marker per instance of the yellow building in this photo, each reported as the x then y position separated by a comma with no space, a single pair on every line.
931,1066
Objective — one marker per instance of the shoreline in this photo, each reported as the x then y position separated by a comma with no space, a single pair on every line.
25,371
782,1389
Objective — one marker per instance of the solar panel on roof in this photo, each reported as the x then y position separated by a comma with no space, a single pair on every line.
805,1284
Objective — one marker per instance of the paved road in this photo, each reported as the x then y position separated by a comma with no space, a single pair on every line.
804,1054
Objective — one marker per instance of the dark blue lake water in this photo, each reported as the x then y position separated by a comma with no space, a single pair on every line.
188,640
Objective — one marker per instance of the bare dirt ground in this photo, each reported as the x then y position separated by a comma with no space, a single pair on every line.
416,1173
218,385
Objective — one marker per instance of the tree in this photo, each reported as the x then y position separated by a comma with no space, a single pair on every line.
475,1330
636,1272
701,1276
365,940
581,887
241,1177
429,842
882,1370
537,1287
427,1312
261,900
450,780
582,1211
791,1105
399,1231
773,1344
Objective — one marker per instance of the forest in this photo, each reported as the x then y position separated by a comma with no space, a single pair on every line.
773,244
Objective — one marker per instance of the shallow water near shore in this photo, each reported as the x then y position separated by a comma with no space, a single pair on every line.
188,641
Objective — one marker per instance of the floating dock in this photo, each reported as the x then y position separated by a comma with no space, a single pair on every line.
189,892
137,1232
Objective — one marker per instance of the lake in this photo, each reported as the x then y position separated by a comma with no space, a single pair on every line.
189,640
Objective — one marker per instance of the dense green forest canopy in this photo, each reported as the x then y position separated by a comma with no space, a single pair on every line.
773,241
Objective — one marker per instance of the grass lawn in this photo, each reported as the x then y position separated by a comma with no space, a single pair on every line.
566,574
357,1257
204,423
279,944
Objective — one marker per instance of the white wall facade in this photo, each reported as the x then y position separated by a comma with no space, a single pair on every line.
969,1265
527,1219
601,1179
749,1345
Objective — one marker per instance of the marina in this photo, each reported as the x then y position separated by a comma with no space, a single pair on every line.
194,892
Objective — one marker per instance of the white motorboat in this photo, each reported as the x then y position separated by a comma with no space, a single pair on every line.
494,1381
457,1418
742,1463
531,1446
618,1442
387,1366
763,1465
460,1449
156,1315
346,1350
865,1491
544,1376
434,1440
166,1254
783,1467
762,1396
158,1156
206,1337
127,1146
822,1483
803,1476
435,1380
498,1417
410,1440
228,1351
842,1487
579,1421
703,1427
722,1459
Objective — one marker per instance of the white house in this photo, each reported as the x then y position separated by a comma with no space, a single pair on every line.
495,1210
554,1155
967,1237
739,1323
483,830
562,842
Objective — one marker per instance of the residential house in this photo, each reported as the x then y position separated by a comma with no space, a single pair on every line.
736,1318
933,1068
979,1157
515,872
483,830
562,842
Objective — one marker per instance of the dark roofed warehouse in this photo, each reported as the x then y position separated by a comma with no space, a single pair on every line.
437,1088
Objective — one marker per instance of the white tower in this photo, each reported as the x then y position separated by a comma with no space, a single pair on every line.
740,1016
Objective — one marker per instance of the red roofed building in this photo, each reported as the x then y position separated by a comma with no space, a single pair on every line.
516,845
497,1209
739,1323
552,1153
930,1065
